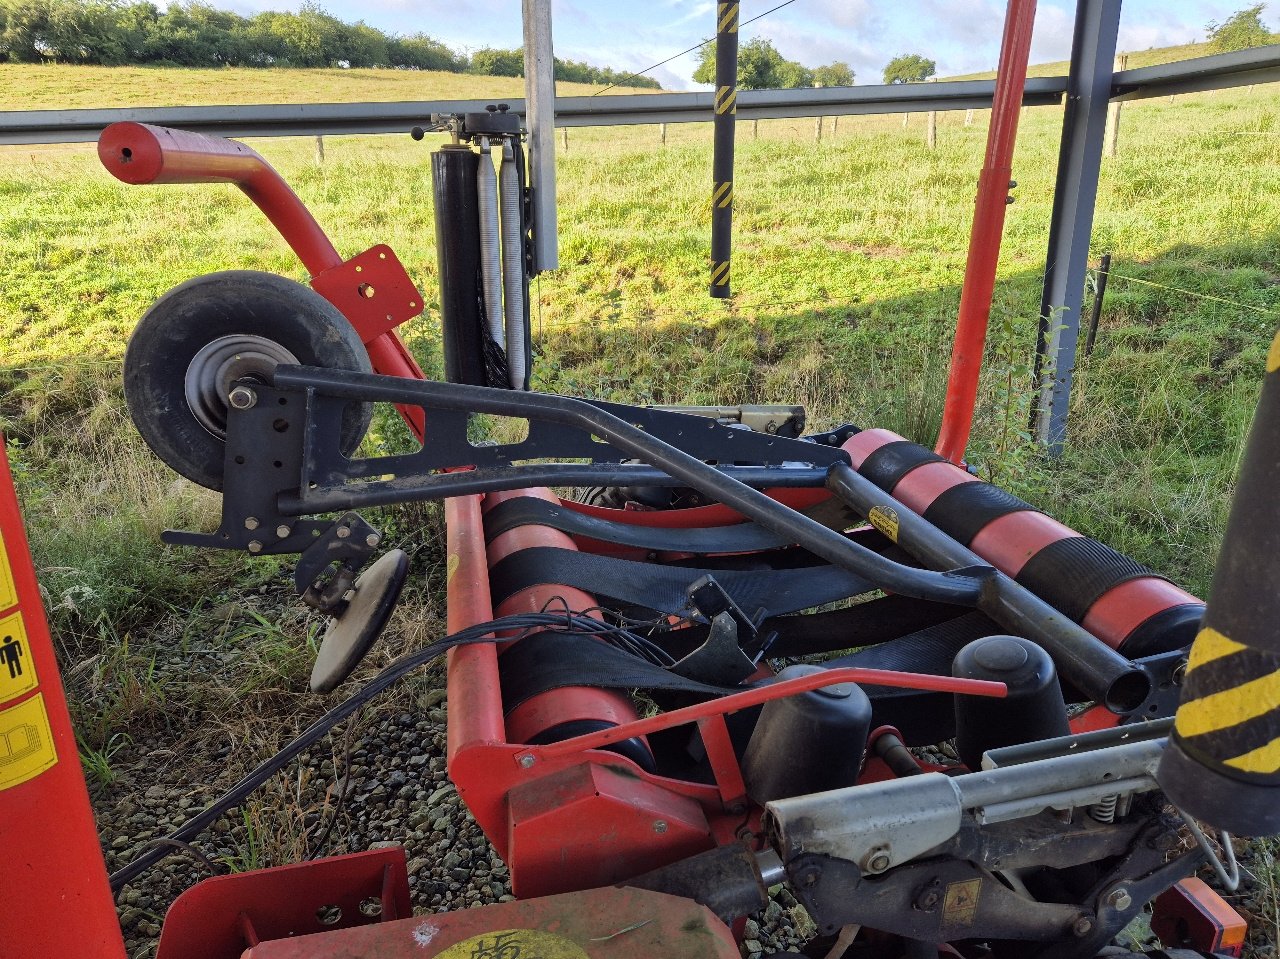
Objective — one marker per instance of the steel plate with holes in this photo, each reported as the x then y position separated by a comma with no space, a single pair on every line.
373,290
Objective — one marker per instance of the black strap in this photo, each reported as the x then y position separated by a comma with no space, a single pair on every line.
662,588
1073,573
529,510
963,511
887,465
865,624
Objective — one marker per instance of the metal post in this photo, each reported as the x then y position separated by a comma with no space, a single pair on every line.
1113,114
540,105
726,116
1100,291
1076,190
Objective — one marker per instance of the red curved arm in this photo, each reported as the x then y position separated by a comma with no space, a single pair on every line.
140,153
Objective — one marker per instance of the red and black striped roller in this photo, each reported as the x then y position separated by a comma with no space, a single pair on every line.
1123,603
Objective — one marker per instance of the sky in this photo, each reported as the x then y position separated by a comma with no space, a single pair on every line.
962,36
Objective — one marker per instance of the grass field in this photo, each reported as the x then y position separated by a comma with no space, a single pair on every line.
847,263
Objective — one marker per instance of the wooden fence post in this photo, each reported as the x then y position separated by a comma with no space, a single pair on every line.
931,127
319,149
1111,138
662,131
968,118
565,131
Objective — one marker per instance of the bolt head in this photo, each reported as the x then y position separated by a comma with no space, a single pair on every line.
659,826
242,398
1120,899
255,546
1082,927
251,522
526,762
879,862
373,539
282,531
343,532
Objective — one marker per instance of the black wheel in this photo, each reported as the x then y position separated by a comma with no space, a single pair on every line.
353,631
203,335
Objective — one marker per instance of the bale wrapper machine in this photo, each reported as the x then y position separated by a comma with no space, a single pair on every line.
706,677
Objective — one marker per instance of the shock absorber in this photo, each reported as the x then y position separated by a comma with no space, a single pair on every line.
1223,759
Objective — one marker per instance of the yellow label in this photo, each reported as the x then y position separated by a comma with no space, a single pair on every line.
451,566
8,592
885,519
26,742
1273,356
17,671
960,906
515,944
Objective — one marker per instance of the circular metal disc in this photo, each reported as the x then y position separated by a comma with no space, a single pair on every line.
218,364
351,634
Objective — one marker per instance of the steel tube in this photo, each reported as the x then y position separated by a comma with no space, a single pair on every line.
723,126
988,229
1091,665
490,249
457,214
540,93
709,480
514,283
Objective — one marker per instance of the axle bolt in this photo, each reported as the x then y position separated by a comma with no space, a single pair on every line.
242,398
1082,927
1120,899
255,546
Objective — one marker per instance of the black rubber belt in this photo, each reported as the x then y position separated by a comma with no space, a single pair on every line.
963,511
662,588
551,660
1073,573
529,510
887,465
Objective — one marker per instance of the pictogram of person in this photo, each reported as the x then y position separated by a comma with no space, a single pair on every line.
11,655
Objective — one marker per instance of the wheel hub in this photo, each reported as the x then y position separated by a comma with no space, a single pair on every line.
216,367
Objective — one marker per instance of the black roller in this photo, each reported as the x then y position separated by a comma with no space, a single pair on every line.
199,338
457,210
1033,710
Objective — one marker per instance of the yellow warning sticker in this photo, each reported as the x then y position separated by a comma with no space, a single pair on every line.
885,519
451,566
17,672
26,742
960,906
514,944
8,592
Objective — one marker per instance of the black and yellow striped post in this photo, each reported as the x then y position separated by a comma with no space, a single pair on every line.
1223,760
726,116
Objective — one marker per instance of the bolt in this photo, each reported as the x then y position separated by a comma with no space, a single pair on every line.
526,762
659,826
343,532
251,522
1120,899
282,531
877,860
1082,927
1179,673
255,546
242,398
373,539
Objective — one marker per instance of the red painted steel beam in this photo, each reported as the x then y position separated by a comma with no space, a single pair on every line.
51,868
988,228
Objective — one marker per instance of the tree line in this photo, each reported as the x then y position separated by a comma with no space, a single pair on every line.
195,34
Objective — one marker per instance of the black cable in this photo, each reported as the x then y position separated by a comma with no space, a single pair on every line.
696,46
344,783
480,633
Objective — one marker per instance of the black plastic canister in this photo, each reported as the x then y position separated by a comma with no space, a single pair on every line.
809,742
1033,710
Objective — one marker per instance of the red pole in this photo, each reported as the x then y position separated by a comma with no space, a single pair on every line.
60,902
988,227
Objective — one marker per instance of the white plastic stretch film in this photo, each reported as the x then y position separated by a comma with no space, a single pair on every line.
490,251
513,268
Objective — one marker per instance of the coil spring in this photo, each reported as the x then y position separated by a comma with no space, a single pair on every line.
1105,810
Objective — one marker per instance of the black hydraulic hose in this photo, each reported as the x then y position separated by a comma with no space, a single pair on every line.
1092,666
724,123
961,590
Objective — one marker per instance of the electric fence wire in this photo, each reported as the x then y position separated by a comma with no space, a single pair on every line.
480,633
696,46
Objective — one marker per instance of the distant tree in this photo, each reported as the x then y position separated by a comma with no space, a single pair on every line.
498,63
909,68
838,74
1241,30
760,67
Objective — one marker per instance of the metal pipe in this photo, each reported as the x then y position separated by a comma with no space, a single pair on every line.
1104,271
453,177
540,94
1091,665
988,228
832,546
724,123
513,269
490,249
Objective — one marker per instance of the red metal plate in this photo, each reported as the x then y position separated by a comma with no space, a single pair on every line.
598,924
373,290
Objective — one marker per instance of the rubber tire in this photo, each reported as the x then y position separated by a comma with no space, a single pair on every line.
203,309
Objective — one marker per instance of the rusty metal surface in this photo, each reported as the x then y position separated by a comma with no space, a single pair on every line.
218,918
596,924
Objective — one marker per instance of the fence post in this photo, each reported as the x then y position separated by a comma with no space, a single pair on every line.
662,131
835,125
755,129
931,128
817,121
319,149
905,118
565,132
968,118
1112,136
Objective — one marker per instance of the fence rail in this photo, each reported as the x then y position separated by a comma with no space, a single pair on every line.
1261,65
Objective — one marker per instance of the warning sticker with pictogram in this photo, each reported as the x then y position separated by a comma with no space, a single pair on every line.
26,742
8,593
17,672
